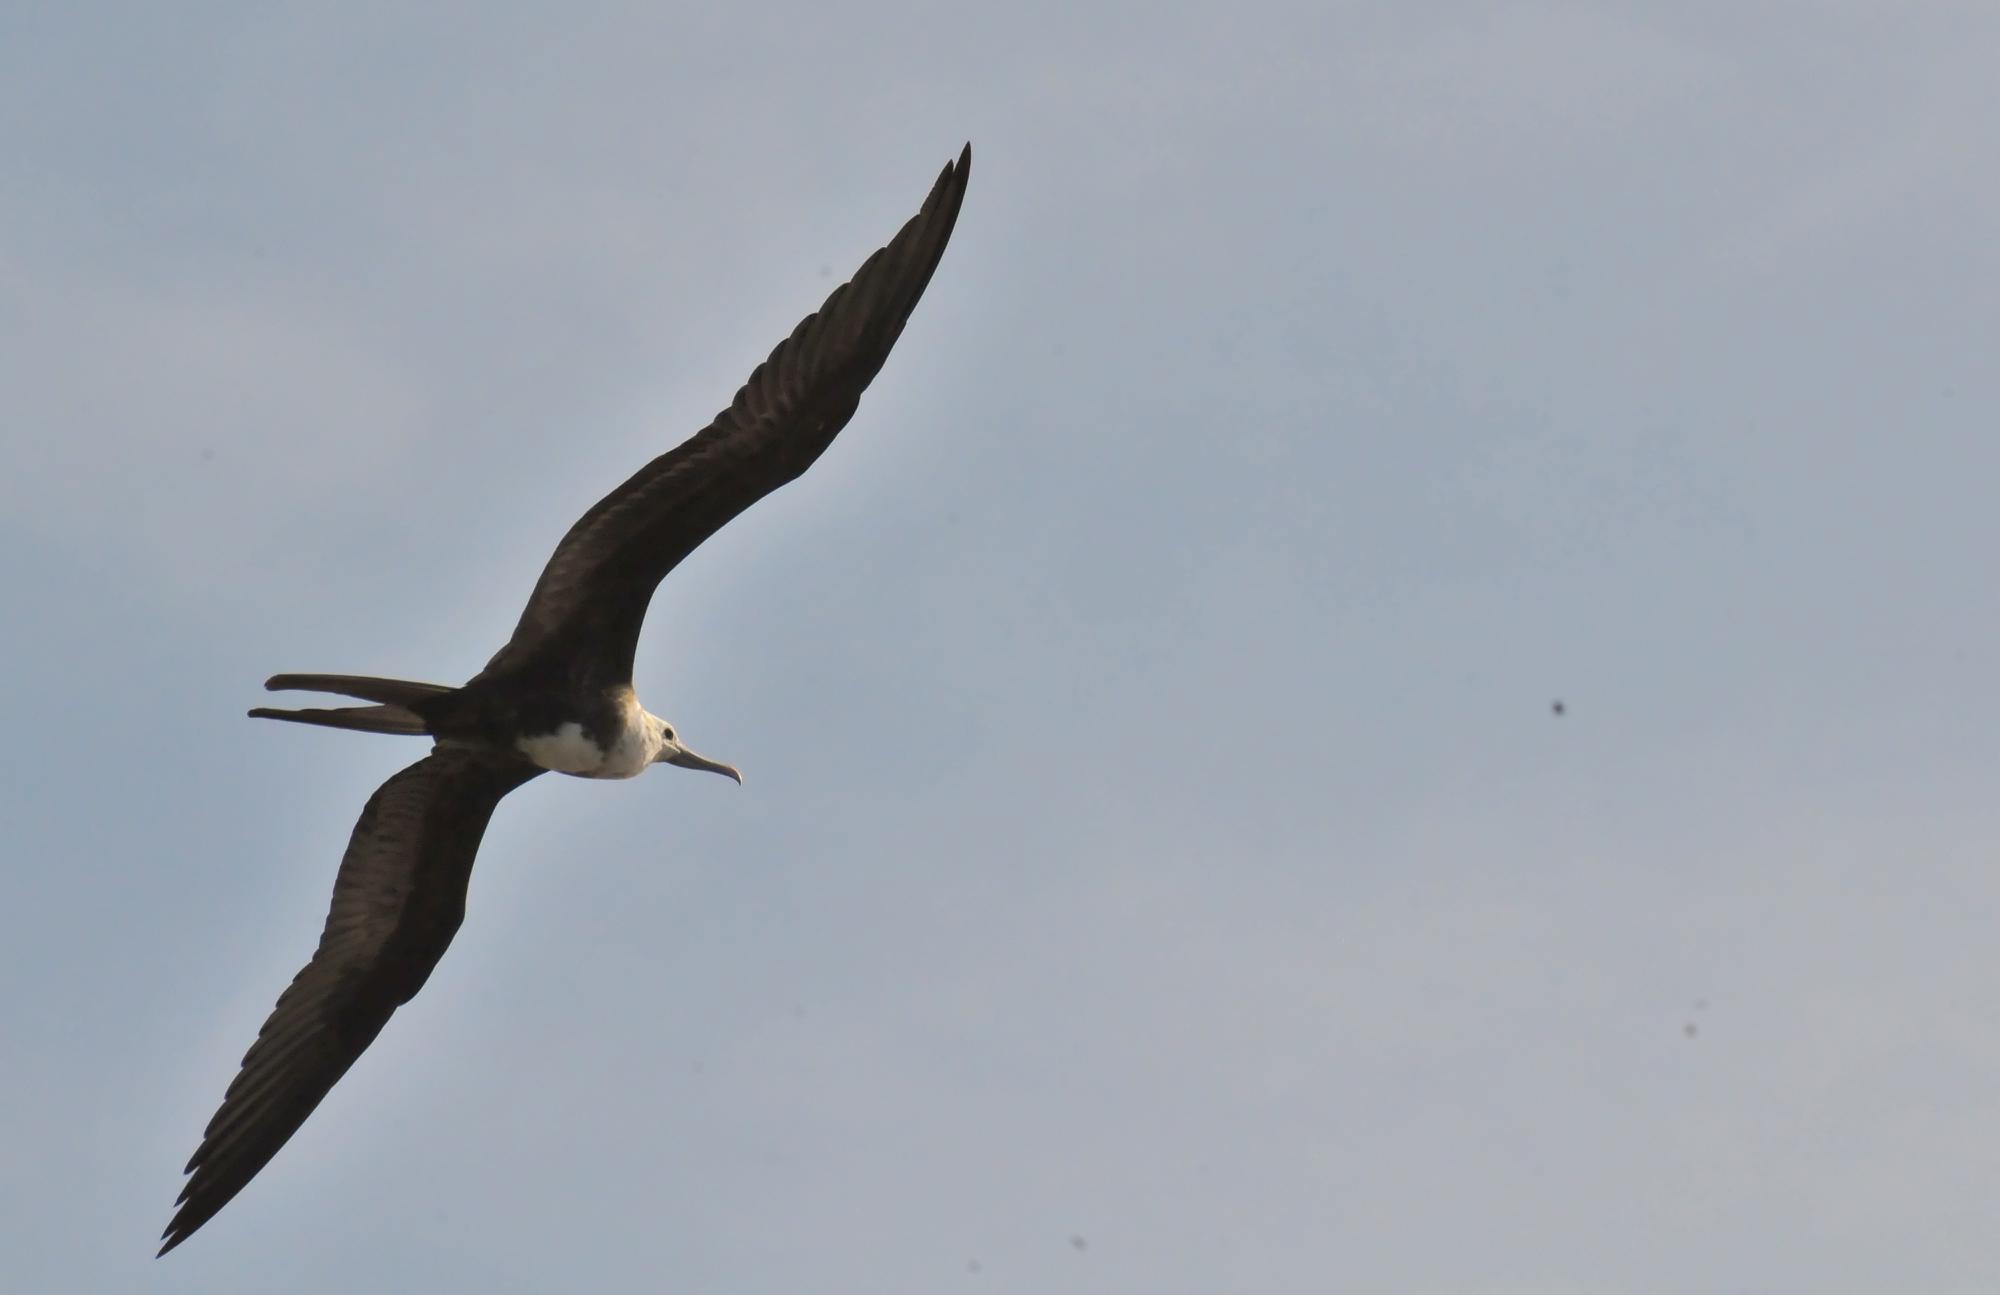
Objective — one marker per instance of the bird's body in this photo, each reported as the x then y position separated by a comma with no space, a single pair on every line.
618,741
558,697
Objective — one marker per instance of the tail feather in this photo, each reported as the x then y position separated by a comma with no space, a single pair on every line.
398,708
365,719
389,692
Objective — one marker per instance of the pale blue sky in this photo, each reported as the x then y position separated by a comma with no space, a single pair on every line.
1156,830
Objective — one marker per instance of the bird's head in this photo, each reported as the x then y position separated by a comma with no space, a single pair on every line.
672,752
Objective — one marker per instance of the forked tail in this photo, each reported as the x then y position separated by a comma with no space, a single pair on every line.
397,709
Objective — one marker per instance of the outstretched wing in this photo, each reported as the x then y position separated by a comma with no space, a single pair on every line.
587,608
397,902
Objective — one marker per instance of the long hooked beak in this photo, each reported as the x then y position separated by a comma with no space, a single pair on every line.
675,753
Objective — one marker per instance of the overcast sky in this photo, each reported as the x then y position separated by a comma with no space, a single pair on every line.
1162,867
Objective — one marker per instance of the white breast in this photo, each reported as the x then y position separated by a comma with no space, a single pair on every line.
567,750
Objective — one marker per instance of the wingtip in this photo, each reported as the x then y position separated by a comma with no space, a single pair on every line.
181,1227
956,171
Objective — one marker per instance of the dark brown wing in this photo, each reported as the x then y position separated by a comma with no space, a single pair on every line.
396,904
583,619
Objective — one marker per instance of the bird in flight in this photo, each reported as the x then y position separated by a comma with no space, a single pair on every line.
557,697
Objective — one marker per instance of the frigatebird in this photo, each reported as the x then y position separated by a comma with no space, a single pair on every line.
557,697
